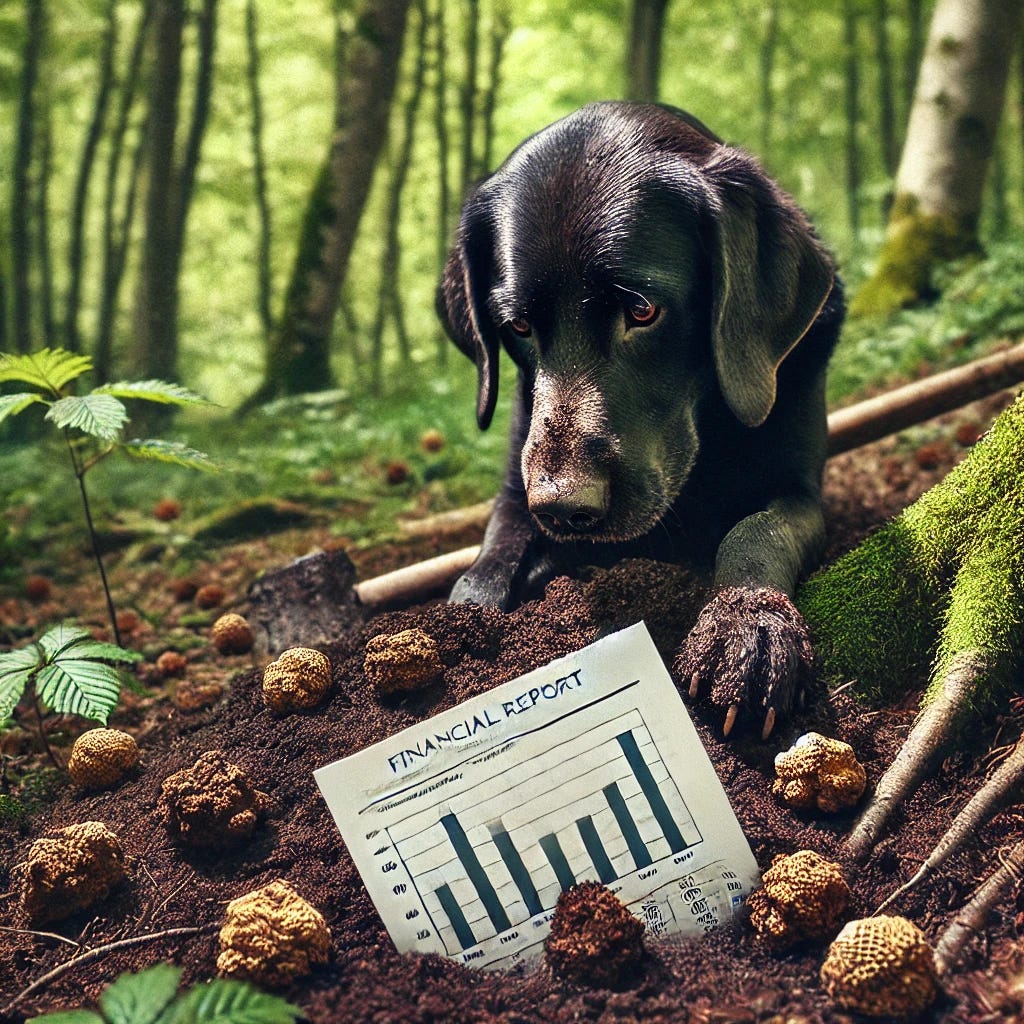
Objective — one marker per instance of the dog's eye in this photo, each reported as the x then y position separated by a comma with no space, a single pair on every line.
641,313
520,326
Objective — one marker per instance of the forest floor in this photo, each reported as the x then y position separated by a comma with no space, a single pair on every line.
728,975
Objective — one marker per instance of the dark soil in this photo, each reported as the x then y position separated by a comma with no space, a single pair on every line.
727,976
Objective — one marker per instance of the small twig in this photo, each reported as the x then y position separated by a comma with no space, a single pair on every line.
98,952
974,915
41,935
978,810
42,732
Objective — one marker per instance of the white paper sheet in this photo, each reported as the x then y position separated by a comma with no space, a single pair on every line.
467,827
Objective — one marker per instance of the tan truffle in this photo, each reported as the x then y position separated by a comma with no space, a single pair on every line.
70,871
819,772
300,679
231,634
212,804
881,966
594,939
101,758
272,936
802,899
402,662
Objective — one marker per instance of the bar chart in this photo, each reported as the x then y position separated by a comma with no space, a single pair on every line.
597,805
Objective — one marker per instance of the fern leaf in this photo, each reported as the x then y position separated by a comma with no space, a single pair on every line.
97,415
47,369
68,1017
11,405
78,686
170,451
224,1001
152,391
16,668
141,998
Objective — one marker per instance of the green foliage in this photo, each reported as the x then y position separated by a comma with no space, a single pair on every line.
70,672
151,997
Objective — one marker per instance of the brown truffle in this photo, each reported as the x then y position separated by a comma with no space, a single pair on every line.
231,634
819,772
166,510
594,938
101,758
193,695
802,899
171,664
271,936
432,441
212,804
210,595
300,679
402,662
38,588
881,966
70,871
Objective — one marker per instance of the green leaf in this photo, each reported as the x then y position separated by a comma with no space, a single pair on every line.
224,1001
152,391
16,668
77,686
100,651
170,451
141,998
48,369
60,637
97,415
11,405
68,1017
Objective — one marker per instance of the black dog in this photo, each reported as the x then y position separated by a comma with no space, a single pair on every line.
671,314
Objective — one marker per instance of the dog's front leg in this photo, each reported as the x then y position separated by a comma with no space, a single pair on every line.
510,558
750,649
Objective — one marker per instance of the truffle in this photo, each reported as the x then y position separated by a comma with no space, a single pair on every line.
272,936
594,938
70,871
802,899
210,595
101,758
881,966
231,634
193,695
819,772
212,804
300,679
402,662
171,664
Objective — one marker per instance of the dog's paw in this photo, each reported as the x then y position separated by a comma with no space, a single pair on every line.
749,651
483,585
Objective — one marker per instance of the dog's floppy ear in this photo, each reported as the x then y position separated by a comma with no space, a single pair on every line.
462,304
771,277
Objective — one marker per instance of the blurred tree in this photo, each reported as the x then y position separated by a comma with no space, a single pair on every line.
86,164
886,94
367,56
643,54
852,104
500,29
467,96
769,50
444,201
171,180
959,98
44,176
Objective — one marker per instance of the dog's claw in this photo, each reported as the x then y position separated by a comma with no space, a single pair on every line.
769,724
694,685
730,719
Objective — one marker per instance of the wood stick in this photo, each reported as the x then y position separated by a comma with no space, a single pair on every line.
848,428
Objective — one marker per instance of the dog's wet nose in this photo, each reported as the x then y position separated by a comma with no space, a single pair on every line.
578,510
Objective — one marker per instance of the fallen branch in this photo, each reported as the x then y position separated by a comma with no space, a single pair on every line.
926,742
994,794
974,915
97,953
447,524
418,581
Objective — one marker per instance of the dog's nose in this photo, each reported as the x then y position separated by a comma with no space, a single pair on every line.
579,510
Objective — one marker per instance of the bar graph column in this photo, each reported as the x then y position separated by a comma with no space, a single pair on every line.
517,869
595,850
475,873
650,789
556,858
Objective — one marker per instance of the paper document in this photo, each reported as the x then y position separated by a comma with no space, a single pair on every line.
467,827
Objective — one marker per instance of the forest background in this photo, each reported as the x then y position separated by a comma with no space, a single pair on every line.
163,176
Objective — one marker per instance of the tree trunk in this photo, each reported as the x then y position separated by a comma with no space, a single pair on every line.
298,356
263,278
86,164
915,47
769,48
468,95
444,201
886,96
171,184
939,185
643,55
852,103
44,251
500,29
21,186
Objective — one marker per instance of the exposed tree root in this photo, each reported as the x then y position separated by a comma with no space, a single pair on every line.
974,915
996,792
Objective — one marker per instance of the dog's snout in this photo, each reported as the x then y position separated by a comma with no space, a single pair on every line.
575,509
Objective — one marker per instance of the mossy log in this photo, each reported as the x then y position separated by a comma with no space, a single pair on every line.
944,579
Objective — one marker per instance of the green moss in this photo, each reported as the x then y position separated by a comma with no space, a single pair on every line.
915,243
946,576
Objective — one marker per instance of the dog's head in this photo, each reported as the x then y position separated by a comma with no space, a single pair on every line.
631,264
